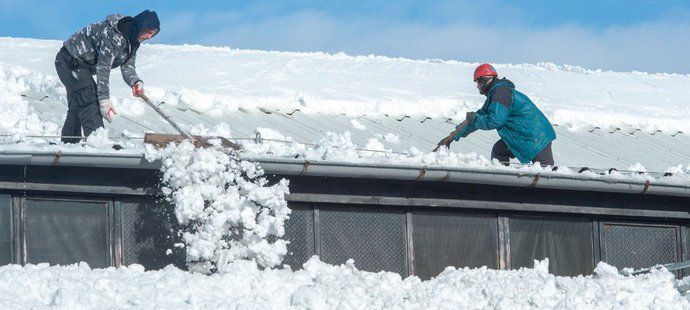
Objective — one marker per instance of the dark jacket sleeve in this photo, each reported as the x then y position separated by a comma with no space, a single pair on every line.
469,128
498,110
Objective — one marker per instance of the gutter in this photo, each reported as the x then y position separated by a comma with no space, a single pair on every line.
301,167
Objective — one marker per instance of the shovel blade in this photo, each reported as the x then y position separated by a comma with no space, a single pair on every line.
162,140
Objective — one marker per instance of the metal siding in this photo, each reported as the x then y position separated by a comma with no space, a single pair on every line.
567,243
639,246
444,239
374,238
299,230
148,231
67,232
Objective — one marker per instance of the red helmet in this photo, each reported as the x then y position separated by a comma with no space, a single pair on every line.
484,70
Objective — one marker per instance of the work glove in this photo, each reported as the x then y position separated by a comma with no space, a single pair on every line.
470,117
107,109
138,89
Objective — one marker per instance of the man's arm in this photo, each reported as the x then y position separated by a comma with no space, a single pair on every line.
129,73
497,112
466,131
106,56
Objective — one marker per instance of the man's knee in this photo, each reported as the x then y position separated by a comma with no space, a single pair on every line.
545,157
91,119
501,152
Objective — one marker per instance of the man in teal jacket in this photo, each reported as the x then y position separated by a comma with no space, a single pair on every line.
525,132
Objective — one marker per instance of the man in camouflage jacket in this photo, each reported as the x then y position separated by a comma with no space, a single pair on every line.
95,50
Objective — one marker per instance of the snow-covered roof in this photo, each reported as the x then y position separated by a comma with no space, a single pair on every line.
370,105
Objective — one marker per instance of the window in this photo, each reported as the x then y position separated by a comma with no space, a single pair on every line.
148,232
66,232
638,245
567,244
374,238
442,239
299,230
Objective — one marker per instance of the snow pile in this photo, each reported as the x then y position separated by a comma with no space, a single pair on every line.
17,118
322,286
339,147
227,208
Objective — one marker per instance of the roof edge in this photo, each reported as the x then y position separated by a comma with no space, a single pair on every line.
302,167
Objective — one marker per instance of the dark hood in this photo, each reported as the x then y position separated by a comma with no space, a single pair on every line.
496,82
130,27
147,20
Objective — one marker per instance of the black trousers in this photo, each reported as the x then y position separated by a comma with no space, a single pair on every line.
501,152
83,110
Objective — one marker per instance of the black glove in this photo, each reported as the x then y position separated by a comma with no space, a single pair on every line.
470,117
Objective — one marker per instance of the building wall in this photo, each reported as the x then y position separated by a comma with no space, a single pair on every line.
412,228
423,241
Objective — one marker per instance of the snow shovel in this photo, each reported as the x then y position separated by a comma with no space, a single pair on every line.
161,140
447,140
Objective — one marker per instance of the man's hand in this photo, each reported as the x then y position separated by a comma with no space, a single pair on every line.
138,89
107,109
445,142
470,116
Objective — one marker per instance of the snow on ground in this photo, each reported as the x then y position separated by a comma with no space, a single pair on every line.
323,286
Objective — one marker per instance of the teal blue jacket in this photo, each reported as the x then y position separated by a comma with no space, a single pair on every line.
521,125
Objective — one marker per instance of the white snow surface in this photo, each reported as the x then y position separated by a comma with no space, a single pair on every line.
221,81
226,207
322,286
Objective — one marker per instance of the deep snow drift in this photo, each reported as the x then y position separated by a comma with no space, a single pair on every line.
323,286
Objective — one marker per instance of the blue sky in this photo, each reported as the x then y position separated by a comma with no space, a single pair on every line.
629,35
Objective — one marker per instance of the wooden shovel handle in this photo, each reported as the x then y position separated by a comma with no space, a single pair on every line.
447,140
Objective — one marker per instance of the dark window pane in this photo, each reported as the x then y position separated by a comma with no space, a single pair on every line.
299,230
637,246
5,230
66,232
444,239
567,244
374,238
148,232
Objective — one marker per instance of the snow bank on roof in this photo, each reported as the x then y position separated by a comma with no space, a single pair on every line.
217,81
323,286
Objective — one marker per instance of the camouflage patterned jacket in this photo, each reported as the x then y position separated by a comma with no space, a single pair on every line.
100,47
